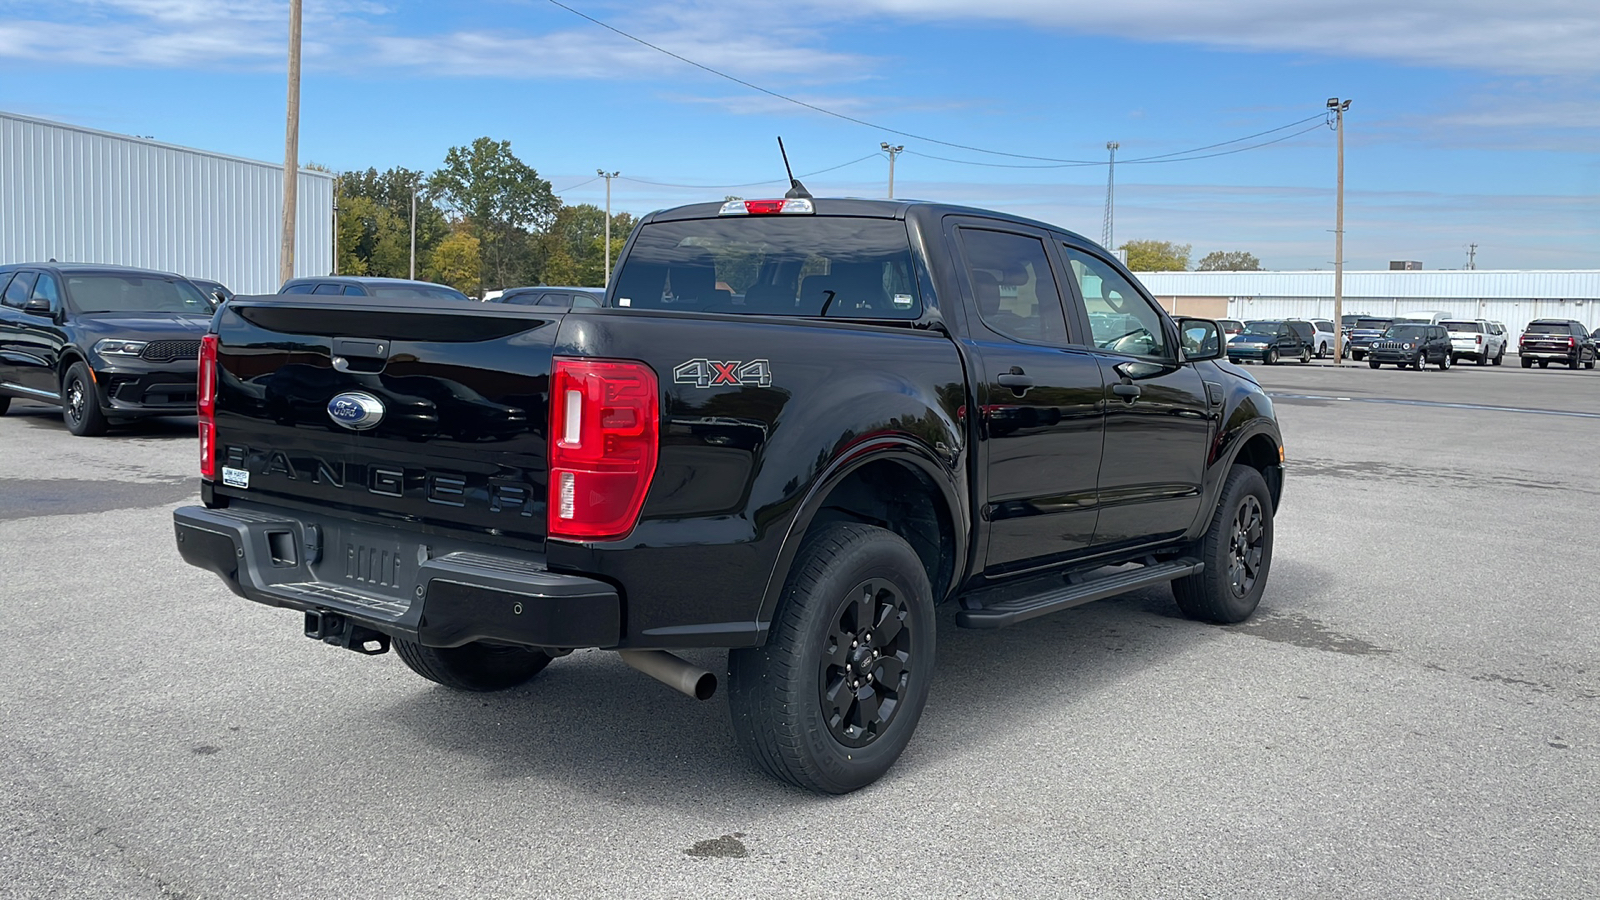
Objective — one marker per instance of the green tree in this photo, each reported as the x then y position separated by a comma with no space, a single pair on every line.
502,198
457,261
1228,261
1157,256
375,223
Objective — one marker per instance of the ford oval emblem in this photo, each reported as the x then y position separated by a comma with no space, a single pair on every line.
356,410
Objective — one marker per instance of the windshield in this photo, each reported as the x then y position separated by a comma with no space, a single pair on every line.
773,265
424,291
132,292
1262,329
1472,327
1376,324
1405,333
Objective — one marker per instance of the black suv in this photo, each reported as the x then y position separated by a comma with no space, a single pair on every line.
1363,332
1556,340
1411,344
552,296
1271,340
104,342
386,288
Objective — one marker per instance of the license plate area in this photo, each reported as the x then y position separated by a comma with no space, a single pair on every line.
372,560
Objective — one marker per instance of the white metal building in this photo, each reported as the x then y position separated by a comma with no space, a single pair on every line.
1512,297
77,195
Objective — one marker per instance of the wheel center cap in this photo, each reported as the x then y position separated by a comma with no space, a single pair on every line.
861,658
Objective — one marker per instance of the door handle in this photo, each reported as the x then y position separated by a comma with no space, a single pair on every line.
1128,392
1015,379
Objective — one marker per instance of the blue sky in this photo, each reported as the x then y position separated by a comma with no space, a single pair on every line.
1471,120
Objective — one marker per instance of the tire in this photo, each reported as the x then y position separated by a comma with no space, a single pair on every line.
1500,358
796,712
1573,363
1544,363
1527,363
1323,351
1445,362
1358,357
1374,363
1483,359
5,404
1305,356
1241,532
476,667
1272,356
80,402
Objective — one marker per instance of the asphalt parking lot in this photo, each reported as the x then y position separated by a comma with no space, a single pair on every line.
1414,712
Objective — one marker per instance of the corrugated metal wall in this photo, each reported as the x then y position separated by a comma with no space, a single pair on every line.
77,195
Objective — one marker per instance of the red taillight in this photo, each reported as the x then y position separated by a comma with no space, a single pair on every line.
206,406
604,425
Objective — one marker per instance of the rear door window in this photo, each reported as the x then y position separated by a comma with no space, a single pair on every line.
328,289
351,290
839,267
1013,287
304,288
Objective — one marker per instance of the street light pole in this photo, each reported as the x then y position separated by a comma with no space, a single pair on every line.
1338,236
605,278
291,150
893,152
413,231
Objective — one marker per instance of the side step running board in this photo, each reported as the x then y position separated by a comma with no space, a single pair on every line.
1020,609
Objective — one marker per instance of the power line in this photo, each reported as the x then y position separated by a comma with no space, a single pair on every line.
578,185
848,118
709,187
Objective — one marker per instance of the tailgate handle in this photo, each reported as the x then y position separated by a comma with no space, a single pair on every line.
346,349
361,348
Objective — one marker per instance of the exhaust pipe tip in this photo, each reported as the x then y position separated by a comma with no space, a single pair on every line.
672,671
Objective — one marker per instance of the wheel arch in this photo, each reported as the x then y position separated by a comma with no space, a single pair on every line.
1261,451
898,485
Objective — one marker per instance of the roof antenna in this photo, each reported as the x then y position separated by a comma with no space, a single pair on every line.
796,189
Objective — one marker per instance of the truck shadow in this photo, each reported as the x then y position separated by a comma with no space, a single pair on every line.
600,728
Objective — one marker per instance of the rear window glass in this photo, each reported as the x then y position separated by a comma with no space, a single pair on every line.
135,293
1373,323
1406,332
1472,327
423,291
773,265
1549,328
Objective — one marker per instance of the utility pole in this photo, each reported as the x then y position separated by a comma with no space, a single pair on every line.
893,152
291,149
337,180
413,230
1338,236
605,278
1111,185
1472,257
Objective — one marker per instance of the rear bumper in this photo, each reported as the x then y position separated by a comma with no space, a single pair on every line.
1564,353
403,584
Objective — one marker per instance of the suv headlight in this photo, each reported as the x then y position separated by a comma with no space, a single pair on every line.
114,347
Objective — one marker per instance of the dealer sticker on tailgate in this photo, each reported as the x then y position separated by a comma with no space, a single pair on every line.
239,478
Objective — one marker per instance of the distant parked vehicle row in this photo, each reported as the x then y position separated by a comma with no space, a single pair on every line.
1412,344
384,288
1270,341
1479,340
566,297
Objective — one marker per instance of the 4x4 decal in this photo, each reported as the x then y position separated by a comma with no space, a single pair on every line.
714,373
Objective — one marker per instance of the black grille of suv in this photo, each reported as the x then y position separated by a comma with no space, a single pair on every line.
167,351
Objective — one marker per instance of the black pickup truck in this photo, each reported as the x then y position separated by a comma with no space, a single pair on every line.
793,428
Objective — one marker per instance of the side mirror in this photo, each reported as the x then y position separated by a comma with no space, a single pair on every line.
1200,338
39,307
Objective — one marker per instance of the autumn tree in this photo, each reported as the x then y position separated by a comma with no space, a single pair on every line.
457,261
375,223
1157,256
503,199
1228,261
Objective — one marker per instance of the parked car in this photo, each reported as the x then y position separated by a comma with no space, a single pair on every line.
1325,332
214,289
1230,327
1348,321
1269,341
1556,340
1367,329
1412,344
384,288
1475,340
1423,317
550,296
796,479
102,342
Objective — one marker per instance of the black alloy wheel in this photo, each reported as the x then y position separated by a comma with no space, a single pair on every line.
80,403
1245,550
867,663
